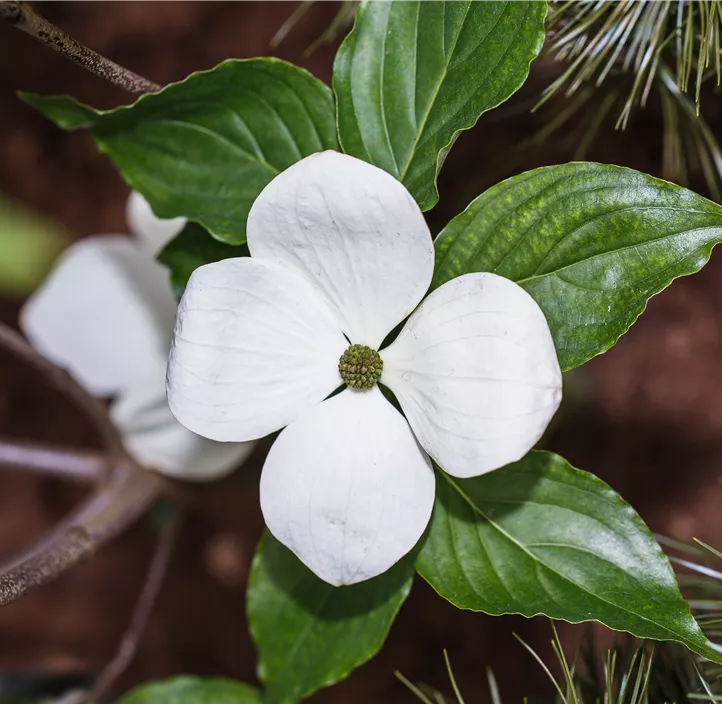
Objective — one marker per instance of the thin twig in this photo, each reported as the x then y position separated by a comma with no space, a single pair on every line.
66,385
76,465
127,492
22,16
149,594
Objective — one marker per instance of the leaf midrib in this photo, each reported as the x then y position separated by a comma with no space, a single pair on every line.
307,631
625,248
249,156
434,96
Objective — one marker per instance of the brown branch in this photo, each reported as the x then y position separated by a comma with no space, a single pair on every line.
76,465
22,16
141,615
126,494
66,385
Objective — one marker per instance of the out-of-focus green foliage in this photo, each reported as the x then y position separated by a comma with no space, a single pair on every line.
194,690
29,245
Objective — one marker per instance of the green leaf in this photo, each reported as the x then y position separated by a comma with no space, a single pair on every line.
590,242
412,75
66,112
310,634
540,537
193,690
191,248
204,148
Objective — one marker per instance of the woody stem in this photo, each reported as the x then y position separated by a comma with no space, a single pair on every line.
124,495
22,16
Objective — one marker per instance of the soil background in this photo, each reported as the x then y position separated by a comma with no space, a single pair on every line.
646,416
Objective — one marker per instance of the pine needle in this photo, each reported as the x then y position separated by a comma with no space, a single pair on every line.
454,686
413,688
493,687
600,40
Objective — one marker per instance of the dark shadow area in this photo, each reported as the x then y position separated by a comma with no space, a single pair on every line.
330,603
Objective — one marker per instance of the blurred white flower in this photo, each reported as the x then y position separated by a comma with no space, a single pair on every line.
341,255
106,314
151,232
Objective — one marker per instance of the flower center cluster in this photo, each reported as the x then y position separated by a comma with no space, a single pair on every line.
360,367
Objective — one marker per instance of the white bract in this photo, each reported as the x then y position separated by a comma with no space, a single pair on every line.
341,255
106,314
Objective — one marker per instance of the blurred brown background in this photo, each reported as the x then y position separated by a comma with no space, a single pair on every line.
646,416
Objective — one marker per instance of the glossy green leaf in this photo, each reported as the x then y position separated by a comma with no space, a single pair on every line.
193,247
310,634
193,690
590,242
540,537
204,148
412,75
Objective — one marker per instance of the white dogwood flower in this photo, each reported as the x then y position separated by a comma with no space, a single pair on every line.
341,255
106,314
